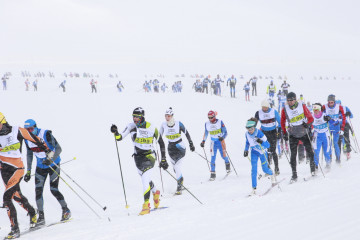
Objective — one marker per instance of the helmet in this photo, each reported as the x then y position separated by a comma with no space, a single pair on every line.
331,97
291,95
30,124
265,103
169,111
139,112
212,116
2,118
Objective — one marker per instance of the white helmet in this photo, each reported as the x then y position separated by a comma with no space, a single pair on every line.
169,111
265,103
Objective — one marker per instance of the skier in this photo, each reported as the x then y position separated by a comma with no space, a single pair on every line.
143,134
35,83
285,87
172,130
346,137
271,89
12,171
4,83
27,83
206,83
44,167
62,85
335,111
309,106
218,80
321,135
253,85
218,133
119,86
257,141
247,91
299,119
271,127
93,86
163,87
232,82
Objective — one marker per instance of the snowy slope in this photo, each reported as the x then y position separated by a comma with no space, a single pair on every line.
325,208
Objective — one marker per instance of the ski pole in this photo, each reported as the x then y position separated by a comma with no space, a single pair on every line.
202,157
354,134
75,192
182,185
206,158
347,139
224,149
269,166
157,156
61,164
122,179
307,133
103,208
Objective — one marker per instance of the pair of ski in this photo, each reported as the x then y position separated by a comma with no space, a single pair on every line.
29,230
268,190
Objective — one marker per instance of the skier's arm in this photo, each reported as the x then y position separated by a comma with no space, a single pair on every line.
341,110
247,144
29,157
183,129
50,138
277,118
25,134
205,134
223,130
265,143
308,115
348,111
125,132
161,143
257,115
267,90
283,120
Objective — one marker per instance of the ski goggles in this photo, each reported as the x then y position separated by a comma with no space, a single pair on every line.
211,117
291,99
30,129
137,116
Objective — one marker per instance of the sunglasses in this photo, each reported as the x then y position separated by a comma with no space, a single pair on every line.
211,117
249,128
290,100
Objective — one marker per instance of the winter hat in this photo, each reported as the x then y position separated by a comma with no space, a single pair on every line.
317,106
331,98
265,103
291,96
169,111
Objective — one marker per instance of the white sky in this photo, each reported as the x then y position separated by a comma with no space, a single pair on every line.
179,32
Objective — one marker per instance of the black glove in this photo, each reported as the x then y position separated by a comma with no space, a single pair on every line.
327,118
305,125
348,114
258,140
47,162
221,139
246,153
286,137
163,164
278,135
114,129
202,144
27,176
191,145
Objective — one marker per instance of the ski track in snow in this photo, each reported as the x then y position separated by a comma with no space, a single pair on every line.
323,208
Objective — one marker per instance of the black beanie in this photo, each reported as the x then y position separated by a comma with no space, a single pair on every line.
291,95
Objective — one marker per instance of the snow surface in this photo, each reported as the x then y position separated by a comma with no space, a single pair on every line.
324,208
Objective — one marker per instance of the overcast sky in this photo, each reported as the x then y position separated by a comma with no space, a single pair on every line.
176,32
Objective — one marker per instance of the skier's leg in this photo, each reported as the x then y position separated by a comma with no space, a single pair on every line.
54,187
254,159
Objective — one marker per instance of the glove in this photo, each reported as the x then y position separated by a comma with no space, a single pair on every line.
163,164
27,176
258,140
341,132
202,144
278,135
305,125
327,118
47,162
191,145
348,114
246,153
286,137
221,139
49,156
114,129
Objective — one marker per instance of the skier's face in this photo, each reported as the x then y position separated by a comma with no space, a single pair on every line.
265,109
136,119
331,103
291,102
168,117
251,130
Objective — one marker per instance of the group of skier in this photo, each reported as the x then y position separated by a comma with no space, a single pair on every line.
43,145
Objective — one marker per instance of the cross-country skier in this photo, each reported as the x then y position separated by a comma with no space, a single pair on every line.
285,87
270,126
12,171
218,81
172,129
119,86
43,169
247,91
62,85
321,135
27,83
143,134
299,119
93,84
217,130
232,82
346,137
257,142
271,89
206,83
253,85
335,111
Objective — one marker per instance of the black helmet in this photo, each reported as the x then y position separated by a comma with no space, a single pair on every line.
139,111
291,95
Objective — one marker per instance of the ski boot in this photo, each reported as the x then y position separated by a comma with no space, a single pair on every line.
328,166
253,192
273,180
316,168
33,218
338,161
14,233
145,208
41,219
227,166
348,156
156,197
66,214
179,186
313,173
293,178
277,171
212,176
